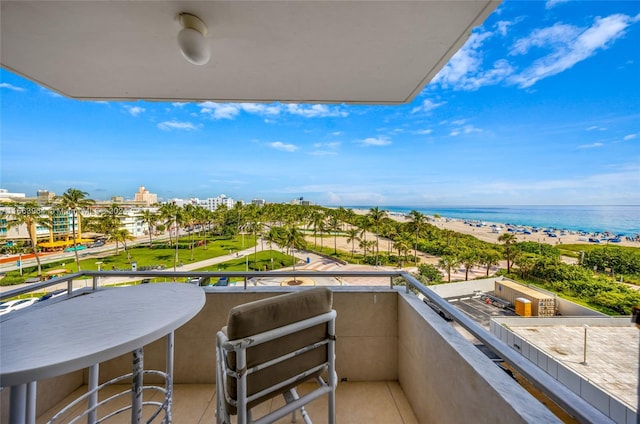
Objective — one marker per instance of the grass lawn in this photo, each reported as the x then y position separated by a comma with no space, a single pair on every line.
575,249
259,262
160,254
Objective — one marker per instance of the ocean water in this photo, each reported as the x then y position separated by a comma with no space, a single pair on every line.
592,219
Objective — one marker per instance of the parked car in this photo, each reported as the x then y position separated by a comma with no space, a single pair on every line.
14,305
98,243
222,281
55,293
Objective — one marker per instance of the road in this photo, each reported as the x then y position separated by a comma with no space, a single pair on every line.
302,256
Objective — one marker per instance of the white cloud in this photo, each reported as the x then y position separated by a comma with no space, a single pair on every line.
134,111
595,127
423,132
463,72
379,141
315,111
232,110
569,45
598,185
178,104
336,133
502,27
175,125
629,137
467,129
325,149
562,47
278,145
553,3
220,110
426,106
590,146
261,109
557,35
11,87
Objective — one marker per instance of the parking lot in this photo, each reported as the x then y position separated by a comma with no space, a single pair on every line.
479,310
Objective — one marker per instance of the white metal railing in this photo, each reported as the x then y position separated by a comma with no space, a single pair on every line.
573,404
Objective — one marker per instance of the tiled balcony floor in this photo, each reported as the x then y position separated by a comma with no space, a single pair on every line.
357,402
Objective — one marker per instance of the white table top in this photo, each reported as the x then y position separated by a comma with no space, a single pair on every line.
51,340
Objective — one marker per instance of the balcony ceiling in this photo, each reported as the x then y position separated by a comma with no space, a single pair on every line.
261,51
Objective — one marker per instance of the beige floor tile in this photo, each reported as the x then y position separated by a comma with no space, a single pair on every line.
357,402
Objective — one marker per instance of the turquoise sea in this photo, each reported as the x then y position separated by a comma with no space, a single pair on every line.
592,219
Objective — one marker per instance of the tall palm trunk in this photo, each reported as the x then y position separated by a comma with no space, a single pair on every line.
35,253
73,232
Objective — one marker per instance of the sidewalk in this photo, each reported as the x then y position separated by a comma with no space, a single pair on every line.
81,283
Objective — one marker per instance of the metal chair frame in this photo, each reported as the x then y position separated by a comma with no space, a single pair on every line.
293,402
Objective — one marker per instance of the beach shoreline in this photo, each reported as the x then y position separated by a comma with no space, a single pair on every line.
491,231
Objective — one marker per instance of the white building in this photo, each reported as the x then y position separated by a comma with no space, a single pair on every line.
212,203
5,195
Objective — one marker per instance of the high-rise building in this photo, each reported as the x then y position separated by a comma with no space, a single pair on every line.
144,196
45,196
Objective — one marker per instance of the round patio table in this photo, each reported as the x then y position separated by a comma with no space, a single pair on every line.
81,332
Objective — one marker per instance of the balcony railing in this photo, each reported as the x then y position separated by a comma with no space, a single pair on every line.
575,406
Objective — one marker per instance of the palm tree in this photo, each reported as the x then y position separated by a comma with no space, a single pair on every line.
254,226
352,237
489,258
390,231
272,236
122,235
316,221
293,238
468,258
30,215
168,213
524,262
508,239
75,200
402,244
448,262
109,220
418,221
377,216
334,225
150,219
189,217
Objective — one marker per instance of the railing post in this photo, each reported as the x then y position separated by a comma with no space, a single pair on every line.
70,286
95,282
245,282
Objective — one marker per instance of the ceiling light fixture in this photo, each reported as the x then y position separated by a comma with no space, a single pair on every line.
192,39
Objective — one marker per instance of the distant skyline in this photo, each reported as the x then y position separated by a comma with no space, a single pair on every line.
540,107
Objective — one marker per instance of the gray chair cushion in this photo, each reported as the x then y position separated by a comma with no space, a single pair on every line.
266,314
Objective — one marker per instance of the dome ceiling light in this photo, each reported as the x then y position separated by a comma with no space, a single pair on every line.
192,39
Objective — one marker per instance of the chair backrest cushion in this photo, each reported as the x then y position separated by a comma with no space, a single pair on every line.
267,314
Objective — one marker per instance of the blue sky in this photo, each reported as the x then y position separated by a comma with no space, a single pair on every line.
540,107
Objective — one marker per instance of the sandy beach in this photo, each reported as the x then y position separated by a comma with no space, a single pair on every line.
486,231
